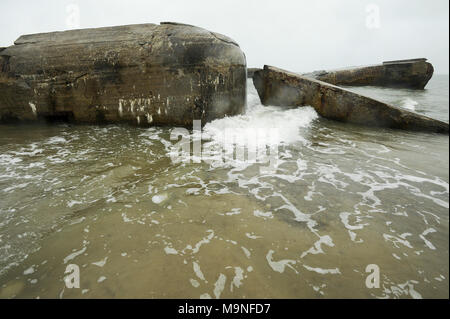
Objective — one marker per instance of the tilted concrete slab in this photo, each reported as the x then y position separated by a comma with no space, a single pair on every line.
283,88
412,73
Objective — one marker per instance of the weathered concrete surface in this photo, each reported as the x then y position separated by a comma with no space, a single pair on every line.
283,88
413,74
251,72
147,74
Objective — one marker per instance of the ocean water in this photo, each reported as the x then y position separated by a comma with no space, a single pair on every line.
111,200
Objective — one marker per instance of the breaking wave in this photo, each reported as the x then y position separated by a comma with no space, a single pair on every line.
409,104
283,123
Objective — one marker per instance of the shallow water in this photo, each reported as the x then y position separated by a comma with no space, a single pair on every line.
110,200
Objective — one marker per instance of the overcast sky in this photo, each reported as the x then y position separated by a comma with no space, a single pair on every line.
297,35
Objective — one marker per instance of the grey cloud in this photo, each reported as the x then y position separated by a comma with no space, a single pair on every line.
296,35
